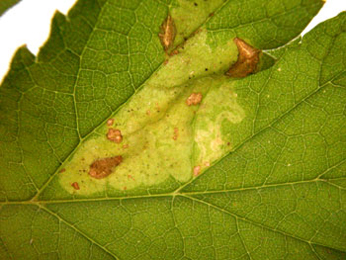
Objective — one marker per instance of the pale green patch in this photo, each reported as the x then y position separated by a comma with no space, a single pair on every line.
162,137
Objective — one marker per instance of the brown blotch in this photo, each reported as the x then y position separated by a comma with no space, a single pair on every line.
75,185
175,52
110,122
114,135
62,170
248,58
194,99
100,169
176,133
168,32
196,170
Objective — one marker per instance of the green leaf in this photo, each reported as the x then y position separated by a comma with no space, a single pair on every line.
6,4
269,149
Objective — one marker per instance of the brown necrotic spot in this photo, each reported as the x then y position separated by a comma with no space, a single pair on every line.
194,99
175,52
176,133
103,167
114,135
110,122
196,170
75,185
248,58
168,32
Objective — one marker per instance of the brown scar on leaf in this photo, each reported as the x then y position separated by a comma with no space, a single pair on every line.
75,185
194,99
167,33
114,135
176,133
62,170
196,170
101,168
248,58
175,52
110,122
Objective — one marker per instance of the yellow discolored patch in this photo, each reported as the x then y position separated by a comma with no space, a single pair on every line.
248,58
173,124
176,142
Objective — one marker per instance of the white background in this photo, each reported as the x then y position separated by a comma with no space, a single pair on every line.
29,23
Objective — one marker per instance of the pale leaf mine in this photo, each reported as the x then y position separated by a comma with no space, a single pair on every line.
173,128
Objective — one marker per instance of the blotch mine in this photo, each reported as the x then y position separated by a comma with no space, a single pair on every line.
160,147
101,168
248,58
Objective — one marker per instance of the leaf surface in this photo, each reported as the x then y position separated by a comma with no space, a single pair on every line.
7,4
270,147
